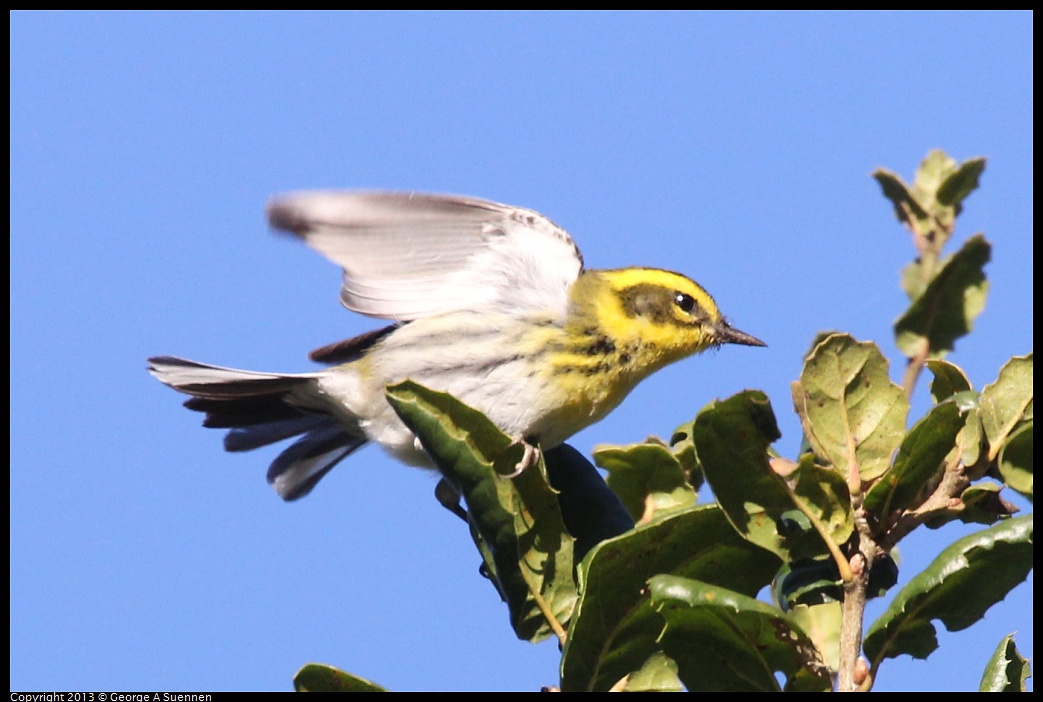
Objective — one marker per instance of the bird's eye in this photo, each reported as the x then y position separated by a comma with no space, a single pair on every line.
685,302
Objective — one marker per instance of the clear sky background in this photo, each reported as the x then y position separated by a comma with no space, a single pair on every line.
735,148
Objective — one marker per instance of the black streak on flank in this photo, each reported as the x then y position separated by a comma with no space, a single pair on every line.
601,346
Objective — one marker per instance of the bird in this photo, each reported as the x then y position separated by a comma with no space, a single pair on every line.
488,302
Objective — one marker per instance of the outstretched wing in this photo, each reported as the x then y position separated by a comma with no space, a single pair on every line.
411,255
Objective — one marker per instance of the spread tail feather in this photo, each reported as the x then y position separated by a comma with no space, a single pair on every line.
264,408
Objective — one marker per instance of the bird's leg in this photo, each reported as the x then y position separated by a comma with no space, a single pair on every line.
449,498
530,457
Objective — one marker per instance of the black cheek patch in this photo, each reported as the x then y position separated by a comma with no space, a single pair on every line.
652,302
657,304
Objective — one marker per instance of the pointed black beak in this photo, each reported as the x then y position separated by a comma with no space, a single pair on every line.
726,334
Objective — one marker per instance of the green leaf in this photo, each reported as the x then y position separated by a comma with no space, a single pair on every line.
950,383
931,174
822,624
724,641
824,493
683,448
971,441
657,674
936,167
1007,403
515,520
930,206
949,304
907,209
960,183
966,579
941,187
983,504
647,478
949,379
1015,461
920,458
316,677
614,630
883,575
913,279
731,439
852,414
1007,670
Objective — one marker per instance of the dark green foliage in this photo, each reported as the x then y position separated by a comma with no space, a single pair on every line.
646,590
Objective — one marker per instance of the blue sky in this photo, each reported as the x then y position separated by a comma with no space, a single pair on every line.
735,148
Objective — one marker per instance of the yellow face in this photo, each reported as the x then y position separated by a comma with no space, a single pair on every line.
660,315
624,325
658,307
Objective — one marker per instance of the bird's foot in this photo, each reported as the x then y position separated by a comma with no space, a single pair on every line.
530,457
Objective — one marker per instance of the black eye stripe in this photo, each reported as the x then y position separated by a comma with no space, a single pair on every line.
661,304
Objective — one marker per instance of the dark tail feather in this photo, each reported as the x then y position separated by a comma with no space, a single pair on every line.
262,409
299,468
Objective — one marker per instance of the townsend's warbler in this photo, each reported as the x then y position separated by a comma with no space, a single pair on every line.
489,303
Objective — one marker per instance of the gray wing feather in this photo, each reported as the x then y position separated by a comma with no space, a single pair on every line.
409,255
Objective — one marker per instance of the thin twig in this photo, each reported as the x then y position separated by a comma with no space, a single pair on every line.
547,613
914,367
853,610
834,550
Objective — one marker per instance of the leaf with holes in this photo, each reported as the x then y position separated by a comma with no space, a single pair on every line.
958,587
1007,670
